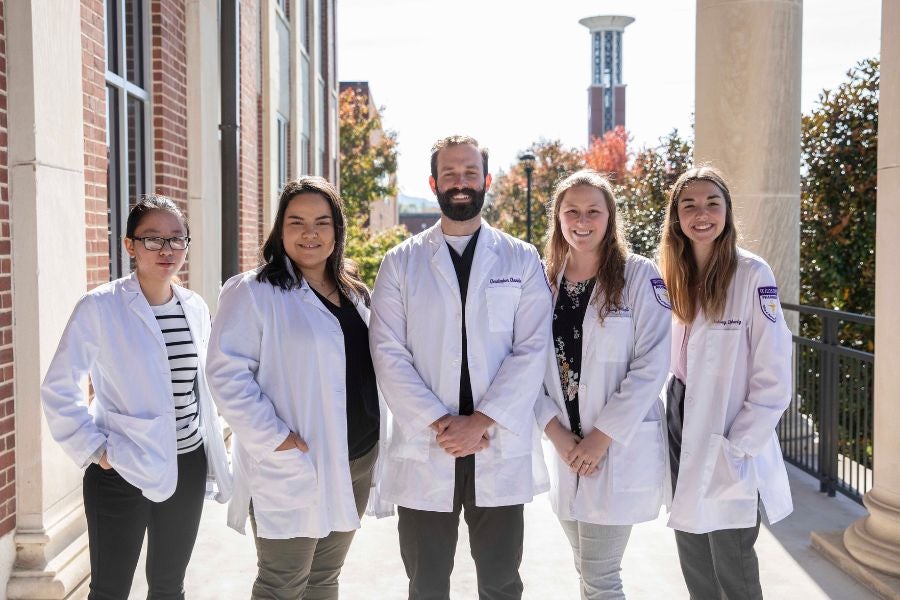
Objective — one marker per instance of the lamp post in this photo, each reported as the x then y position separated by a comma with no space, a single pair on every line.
527,159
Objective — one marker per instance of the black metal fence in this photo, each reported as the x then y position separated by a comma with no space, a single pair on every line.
827,431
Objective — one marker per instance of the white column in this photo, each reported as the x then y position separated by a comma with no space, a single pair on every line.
204,154
747,107
875,540
46,171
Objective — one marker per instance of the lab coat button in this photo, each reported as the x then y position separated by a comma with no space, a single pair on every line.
582,388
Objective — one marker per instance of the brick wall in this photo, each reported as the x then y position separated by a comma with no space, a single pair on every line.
93,81
250,200
169,76
7,403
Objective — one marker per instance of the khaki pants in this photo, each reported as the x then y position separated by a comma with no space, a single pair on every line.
308,568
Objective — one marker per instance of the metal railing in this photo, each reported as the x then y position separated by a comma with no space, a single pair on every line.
827,431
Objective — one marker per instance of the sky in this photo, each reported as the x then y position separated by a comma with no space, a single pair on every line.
510,72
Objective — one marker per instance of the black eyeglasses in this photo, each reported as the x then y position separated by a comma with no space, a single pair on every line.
158,243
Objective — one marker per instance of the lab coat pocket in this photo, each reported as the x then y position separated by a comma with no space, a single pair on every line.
135,447
501,307
416,448
639,466
284,480
729,473
721,350
512,444
616,343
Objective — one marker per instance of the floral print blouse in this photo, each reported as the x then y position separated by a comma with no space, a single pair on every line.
568,318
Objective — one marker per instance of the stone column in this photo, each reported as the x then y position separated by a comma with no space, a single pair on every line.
46,181
875,539
747,103
204,160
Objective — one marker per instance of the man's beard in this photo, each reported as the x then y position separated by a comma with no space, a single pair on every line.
461,211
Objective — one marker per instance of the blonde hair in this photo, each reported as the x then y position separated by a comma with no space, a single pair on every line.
613,250
688,287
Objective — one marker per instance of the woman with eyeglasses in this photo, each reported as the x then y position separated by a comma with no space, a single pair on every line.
149,439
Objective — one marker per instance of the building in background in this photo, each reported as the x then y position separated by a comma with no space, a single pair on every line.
606,95
383,213
102,101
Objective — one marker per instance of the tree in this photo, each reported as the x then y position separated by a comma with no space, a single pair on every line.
643,188
507,209
367,251
609,154
837,205
368,155
368,166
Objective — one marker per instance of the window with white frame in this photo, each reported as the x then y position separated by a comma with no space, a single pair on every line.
127,110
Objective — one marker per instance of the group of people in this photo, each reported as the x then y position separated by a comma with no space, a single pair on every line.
658,384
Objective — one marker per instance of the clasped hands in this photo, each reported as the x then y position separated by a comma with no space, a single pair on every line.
583,455
462,435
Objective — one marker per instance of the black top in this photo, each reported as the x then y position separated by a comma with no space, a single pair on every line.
568,319
462,264
362,393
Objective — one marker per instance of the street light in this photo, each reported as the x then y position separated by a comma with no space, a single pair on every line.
527,159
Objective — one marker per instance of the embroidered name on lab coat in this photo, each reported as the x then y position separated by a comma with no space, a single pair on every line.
514,282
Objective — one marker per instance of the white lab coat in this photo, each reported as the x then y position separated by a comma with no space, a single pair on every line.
624,363
738,385
113,335
417,351
277,364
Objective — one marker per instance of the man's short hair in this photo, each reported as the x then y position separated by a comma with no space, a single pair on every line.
456,140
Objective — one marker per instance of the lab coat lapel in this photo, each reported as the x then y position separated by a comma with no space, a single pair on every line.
440,260
306,292
140,307
193,315
484,259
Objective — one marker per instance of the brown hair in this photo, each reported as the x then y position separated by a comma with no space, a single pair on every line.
688,287
457,140
613,249
343,271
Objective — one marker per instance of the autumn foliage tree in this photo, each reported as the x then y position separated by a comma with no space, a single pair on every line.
507,208
368,166
368,155
643,188
609,154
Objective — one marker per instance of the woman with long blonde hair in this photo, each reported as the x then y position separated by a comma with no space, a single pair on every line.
601,407
730,383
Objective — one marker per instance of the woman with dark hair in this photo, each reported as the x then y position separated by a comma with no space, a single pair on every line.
601,407
150,439
290,365
730,384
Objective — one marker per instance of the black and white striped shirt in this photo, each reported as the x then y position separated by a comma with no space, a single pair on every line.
183,363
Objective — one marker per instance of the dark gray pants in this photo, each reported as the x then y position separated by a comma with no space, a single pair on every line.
308,568
720,564
428,543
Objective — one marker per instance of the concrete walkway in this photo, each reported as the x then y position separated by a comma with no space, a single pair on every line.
224,562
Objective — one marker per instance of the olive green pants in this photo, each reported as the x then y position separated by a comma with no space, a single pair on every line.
308,568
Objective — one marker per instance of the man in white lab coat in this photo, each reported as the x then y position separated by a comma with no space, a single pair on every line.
459,330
